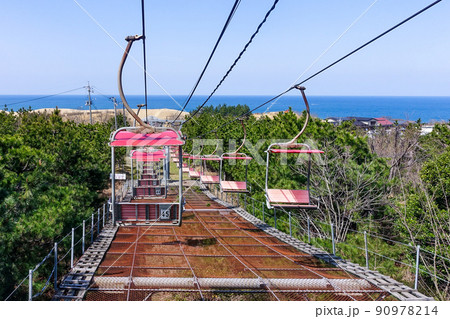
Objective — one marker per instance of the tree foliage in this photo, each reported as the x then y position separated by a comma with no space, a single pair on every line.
52,174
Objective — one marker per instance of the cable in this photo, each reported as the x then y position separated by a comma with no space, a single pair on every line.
145,59
237,59
227,23
328,49
44,97
325,68
371,41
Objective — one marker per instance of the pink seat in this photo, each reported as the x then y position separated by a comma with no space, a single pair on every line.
287,197
193,173
228,186
205,179
185,170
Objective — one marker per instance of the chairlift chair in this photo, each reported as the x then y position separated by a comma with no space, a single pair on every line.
291,198
234,186
211,178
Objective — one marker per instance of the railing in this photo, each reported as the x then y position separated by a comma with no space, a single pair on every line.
420,269
45,276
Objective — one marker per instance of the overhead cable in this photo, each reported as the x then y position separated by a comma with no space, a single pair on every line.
237,59
145,58
325,68
227,23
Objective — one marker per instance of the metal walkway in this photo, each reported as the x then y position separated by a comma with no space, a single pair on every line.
219,253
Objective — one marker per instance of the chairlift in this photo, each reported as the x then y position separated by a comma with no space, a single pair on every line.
206,178
234,186
193,173
291,198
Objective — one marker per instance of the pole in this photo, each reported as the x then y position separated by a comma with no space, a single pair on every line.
113,185
367,251
290,224
72,248
416,281
104,210
55,268
275,217
30,285
84,235
309,231
89,102
263,209
132,177
92,228
113,99
332,239
98,221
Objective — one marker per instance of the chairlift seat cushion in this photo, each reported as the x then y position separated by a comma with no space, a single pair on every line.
288,197
237,157
229,186
280,150
193,173
213,179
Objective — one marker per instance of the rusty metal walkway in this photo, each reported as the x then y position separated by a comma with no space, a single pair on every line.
218,255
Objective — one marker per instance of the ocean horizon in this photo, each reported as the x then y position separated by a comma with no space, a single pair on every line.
426,108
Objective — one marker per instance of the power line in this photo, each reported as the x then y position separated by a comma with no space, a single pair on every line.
227,23
237,59
45,97
324,69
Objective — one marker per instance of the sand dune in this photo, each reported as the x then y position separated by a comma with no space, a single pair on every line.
83,116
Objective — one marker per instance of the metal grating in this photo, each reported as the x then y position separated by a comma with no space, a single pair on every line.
217,255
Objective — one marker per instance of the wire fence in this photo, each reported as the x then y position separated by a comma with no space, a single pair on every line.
42,281
421,269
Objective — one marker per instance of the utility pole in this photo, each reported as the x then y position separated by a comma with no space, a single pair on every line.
113,99
89,101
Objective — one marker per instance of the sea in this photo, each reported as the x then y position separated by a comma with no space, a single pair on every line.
427,109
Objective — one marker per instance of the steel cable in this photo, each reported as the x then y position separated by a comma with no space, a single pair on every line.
235,61
227,23
324,69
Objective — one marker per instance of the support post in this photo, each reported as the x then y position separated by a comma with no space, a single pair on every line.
253,204
416,281
290,224
275,217
263,210
245,202
55,268
332,239
98,221
92,228
309,231
113,185
104,210
30,285
132,177
367,251
72,248
83,239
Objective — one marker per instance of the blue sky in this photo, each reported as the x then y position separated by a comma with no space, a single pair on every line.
50,46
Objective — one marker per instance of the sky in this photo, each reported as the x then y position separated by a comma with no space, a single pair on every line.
50,46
